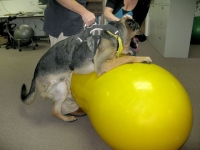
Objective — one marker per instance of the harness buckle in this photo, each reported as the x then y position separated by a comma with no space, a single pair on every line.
90,25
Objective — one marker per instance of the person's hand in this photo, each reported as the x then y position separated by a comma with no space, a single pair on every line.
88,18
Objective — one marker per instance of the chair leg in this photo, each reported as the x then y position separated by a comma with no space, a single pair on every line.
18,45
35,41
13,44
32,42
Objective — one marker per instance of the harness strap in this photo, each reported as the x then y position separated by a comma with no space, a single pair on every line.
119,43
96,31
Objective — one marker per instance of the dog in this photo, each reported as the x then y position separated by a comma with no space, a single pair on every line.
100,54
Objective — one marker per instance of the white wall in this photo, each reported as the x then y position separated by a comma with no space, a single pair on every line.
15,6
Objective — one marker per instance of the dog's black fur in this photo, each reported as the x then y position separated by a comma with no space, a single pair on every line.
53,72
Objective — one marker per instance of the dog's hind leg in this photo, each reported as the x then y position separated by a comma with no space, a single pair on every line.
59,92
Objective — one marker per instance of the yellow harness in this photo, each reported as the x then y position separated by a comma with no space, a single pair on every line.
120,46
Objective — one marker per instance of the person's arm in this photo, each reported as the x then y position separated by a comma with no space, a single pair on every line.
108,15
87,16
111,7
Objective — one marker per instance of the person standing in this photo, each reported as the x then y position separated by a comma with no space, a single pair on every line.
64,18
137,9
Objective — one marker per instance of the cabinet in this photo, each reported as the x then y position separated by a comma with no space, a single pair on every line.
158,26
170,25
96,6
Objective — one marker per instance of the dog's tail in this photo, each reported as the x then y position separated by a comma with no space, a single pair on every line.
28,98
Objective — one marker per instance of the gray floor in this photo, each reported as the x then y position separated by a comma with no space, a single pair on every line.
33,128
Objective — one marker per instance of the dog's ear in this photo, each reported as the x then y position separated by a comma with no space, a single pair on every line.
132,24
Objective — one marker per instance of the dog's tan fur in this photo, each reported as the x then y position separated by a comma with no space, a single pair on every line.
108,58
56,85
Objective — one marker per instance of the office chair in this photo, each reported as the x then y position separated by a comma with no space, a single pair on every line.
22,35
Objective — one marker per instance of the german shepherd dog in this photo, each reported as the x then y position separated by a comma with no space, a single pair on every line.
52,76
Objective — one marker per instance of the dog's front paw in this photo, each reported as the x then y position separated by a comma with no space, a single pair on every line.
147,60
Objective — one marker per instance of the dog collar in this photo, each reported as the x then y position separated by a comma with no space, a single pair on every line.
119,40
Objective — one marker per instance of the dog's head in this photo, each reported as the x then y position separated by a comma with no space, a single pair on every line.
129,30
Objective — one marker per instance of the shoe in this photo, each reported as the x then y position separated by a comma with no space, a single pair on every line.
78,113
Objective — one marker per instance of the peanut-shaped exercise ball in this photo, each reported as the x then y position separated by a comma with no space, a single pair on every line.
136,107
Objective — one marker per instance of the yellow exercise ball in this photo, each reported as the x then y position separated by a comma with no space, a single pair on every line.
136,107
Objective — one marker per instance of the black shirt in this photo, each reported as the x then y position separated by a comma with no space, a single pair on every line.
139,12
59,19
